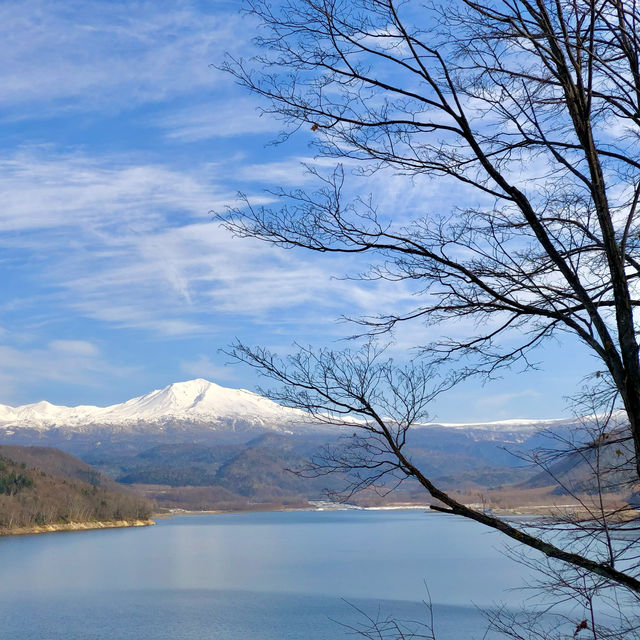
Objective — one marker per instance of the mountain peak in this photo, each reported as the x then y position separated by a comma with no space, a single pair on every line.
197,395
196,383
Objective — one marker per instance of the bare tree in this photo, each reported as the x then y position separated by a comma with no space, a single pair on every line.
533,107
587,558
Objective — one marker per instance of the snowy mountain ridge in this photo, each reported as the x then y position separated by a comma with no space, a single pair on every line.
201,402
191,401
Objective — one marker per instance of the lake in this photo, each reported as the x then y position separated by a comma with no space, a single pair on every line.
295,575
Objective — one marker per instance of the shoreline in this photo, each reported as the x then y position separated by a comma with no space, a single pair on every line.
74,526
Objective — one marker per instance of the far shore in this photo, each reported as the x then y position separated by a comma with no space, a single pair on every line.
535,511
171,512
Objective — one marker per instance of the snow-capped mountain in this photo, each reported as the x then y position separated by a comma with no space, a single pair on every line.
199,405
194,401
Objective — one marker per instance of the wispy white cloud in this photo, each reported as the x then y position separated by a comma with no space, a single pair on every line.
506,404
217,119
80,348
44,189
72,362
290,172
203,367
111,55
198,272
134,245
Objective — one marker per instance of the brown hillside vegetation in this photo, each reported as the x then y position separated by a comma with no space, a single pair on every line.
55,462
40,486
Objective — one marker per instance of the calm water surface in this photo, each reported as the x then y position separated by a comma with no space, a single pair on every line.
262,575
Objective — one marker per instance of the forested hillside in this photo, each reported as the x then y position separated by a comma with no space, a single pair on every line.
41,486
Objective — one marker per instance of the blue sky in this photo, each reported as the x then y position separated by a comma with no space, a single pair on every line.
118,140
